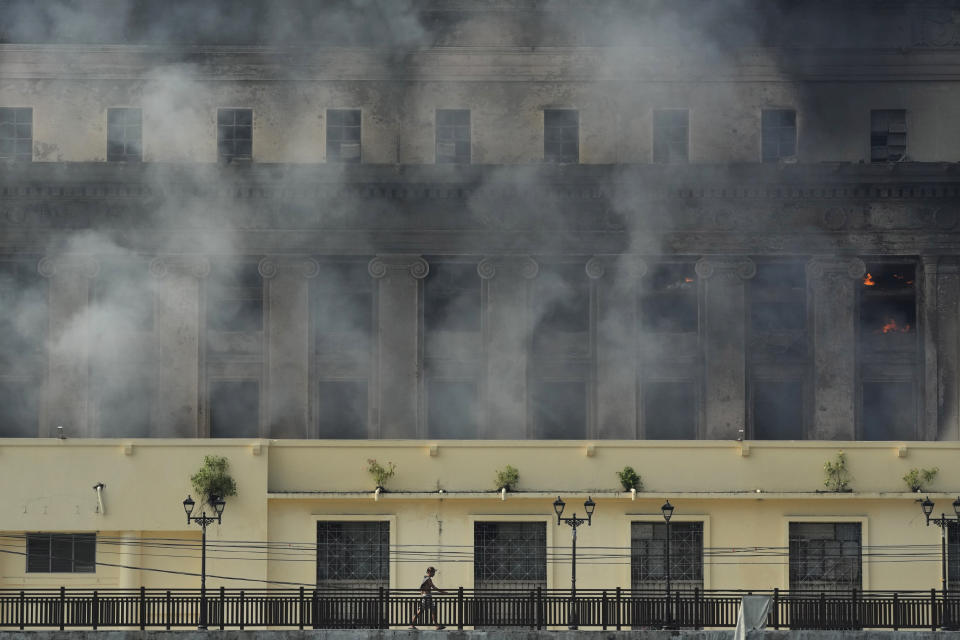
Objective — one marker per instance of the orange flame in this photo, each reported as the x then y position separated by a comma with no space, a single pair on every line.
868,281
688,279
890,326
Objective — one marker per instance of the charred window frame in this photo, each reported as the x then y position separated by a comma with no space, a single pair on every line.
353,554
669,299
16,134
61,553
343,135
509,555
124,135
889,354
778,135
234,408
234,134
888,135
778,350
671,136
825,556
648,555
561,136
453,136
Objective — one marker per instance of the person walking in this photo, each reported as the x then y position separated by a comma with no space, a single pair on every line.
427,587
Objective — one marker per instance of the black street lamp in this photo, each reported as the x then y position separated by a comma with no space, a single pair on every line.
667,511
944,522
203,520
574,522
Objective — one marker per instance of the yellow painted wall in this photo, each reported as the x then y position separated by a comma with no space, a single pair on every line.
286,486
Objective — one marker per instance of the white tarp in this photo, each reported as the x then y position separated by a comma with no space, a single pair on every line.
752,616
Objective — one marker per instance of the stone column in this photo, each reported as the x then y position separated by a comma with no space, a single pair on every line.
399,343
129,556
831,300
177,328
287,333
947,343
506,338
69,351
723,334
616,345
927,323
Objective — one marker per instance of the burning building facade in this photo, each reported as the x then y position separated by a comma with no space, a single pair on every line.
456,237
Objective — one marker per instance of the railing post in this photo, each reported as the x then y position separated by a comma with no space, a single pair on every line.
603,610
678,618
854,610
93,611
63,605
696,607
823,611
243,610
316,610
539,614
223,606
143,608
617,613
169,609
460,609
300,606
23,609
896,610
776,608
532,601
934,618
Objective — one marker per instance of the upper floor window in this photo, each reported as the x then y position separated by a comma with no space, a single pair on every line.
234,297
343,135
671,136
353,554
16,134
124,134
234,134
453,136
778,134
888,135
561,135
509,555
648,555
61,552
234,407
669,299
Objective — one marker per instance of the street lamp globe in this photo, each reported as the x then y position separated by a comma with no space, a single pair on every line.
218,505
188,505
558,506
667,510
927,506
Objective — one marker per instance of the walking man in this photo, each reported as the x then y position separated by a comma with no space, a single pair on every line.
427,587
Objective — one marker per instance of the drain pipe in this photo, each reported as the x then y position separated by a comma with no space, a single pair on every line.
376,494
503,493
99,489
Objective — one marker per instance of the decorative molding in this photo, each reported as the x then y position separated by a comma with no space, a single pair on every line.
415,265
195,266
819,266
524,266
596,267
269,267
87,266
743,268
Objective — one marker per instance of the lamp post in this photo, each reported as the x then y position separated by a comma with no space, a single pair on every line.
574,522
203,520
667,511
944,522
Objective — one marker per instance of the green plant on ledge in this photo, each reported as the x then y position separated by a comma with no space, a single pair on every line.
380,473
920,479
629,479
507,478
837,475
213,479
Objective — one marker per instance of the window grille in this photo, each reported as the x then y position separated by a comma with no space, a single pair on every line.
670,136
888,135
778,134
343,135
561,135
124,135
61,552
16,134
353,554
453,136
509,555
648,555
825,556
234,134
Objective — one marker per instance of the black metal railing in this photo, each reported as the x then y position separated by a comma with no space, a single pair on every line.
465,608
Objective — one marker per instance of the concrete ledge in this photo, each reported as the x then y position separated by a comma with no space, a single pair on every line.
512,634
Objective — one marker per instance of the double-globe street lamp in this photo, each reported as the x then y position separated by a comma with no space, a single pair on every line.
203,520
944,522
667,511
574,522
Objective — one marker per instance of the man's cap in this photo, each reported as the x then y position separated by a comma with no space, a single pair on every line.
429,569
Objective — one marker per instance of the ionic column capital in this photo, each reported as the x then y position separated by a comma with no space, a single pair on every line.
819,266
522,265
50,266
739,267
627,265
270,266
193,266
415,265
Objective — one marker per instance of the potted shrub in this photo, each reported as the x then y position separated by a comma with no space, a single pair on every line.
507,478
837,476
630,479
380,474
920,479
213,479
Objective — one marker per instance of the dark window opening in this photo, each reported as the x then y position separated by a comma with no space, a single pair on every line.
343,135
825,556
888,410
777,409
451,298
125,403
778,301
509,555
562,302
888,135
559,410
19,408
453,136
124,135
778,134
23,314
342,409
342,304
670,410
561,135
61,552
234,134
353,554
235,298
452,409
648,555
123,293
16,134
888,308
671,136
669,302
234,409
